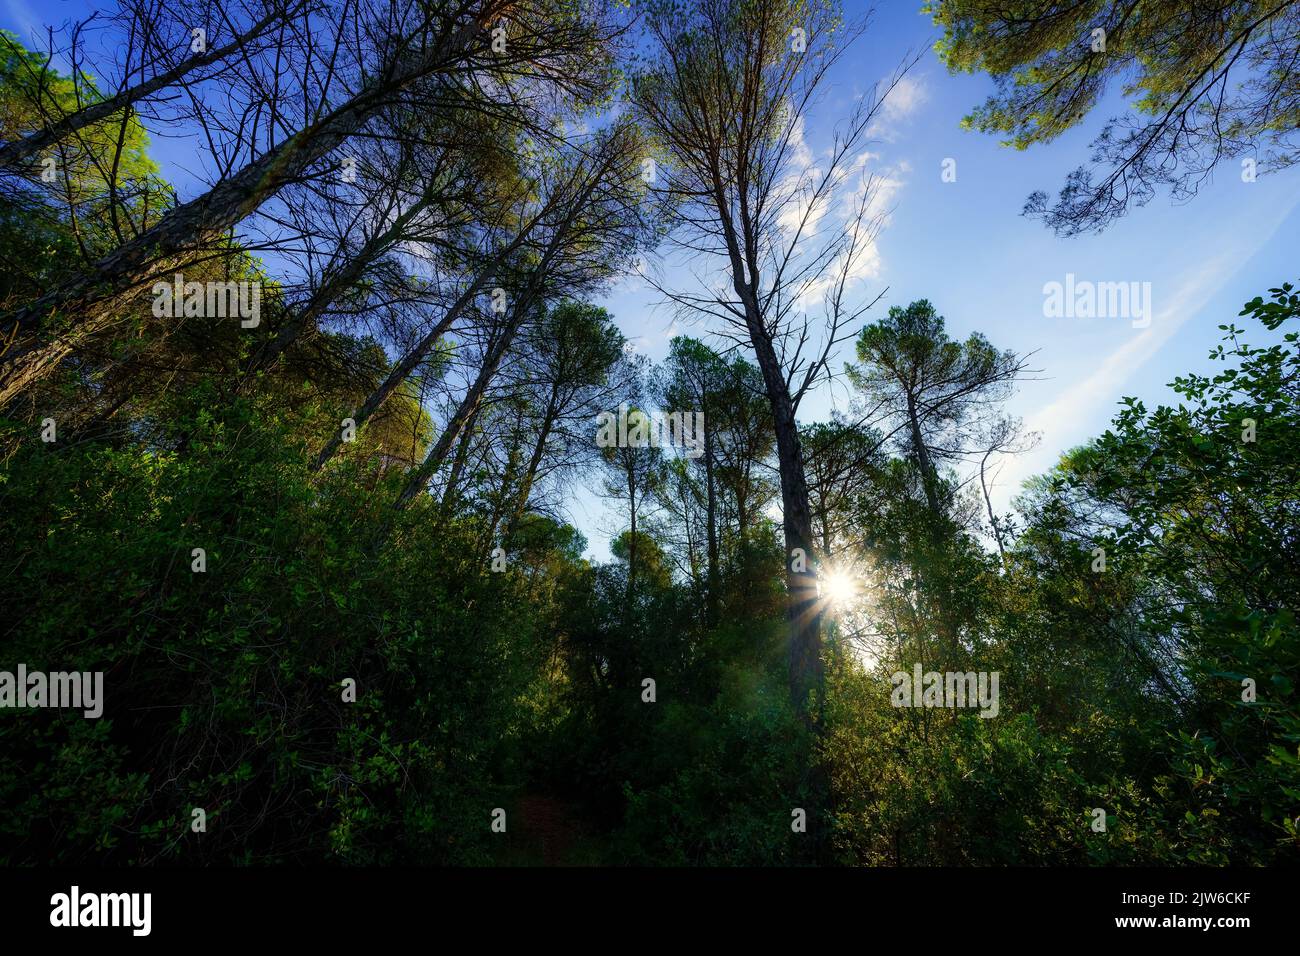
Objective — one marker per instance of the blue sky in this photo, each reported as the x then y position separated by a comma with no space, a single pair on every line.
964,246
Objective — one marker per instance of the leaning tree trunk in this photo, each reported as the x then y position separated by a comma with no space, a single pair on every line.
419,478
458,462
20,150
334,285
520,506
87,301
401,371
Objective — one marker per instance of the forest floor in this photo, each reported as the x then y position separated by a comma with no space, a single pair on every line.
547,831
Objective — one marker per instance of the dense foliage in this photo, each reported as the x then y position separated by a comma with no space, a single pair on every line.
335,661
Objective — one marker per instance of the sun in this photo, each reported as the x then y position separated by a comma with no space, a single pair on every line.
838,586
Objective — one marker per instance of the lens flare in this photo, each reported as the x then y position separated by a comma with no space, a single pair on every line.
838,587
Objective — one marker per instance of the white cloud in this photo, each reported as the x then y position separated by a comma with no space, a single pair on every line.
904,99
794,191
884,185
803,157
898,105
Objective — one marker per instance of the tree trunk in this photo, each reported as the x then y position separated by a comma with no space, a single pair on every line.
499,505
530,475
712,529
929,478
401,371
458,463
803,604
334,286
469,404
802,608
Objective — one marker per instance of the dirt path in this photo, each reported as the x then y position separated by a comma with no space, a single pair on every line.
549,828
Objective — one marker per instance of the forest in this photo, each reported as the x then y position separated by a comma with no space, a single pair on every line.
295,429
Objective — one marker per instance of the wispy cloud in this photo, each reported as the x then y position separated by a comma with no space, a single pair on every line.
795,190
803,157
861,262
1072,417
25,23
899,104
908,94
1073,408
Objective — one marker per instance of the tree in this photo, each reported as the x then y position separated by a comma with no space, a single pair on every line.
424,195
1194,510
633,466
724,98
688,383
743,442
567,361
844,472
1211,82
397,59
589,227
63,107
936,392
101,186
